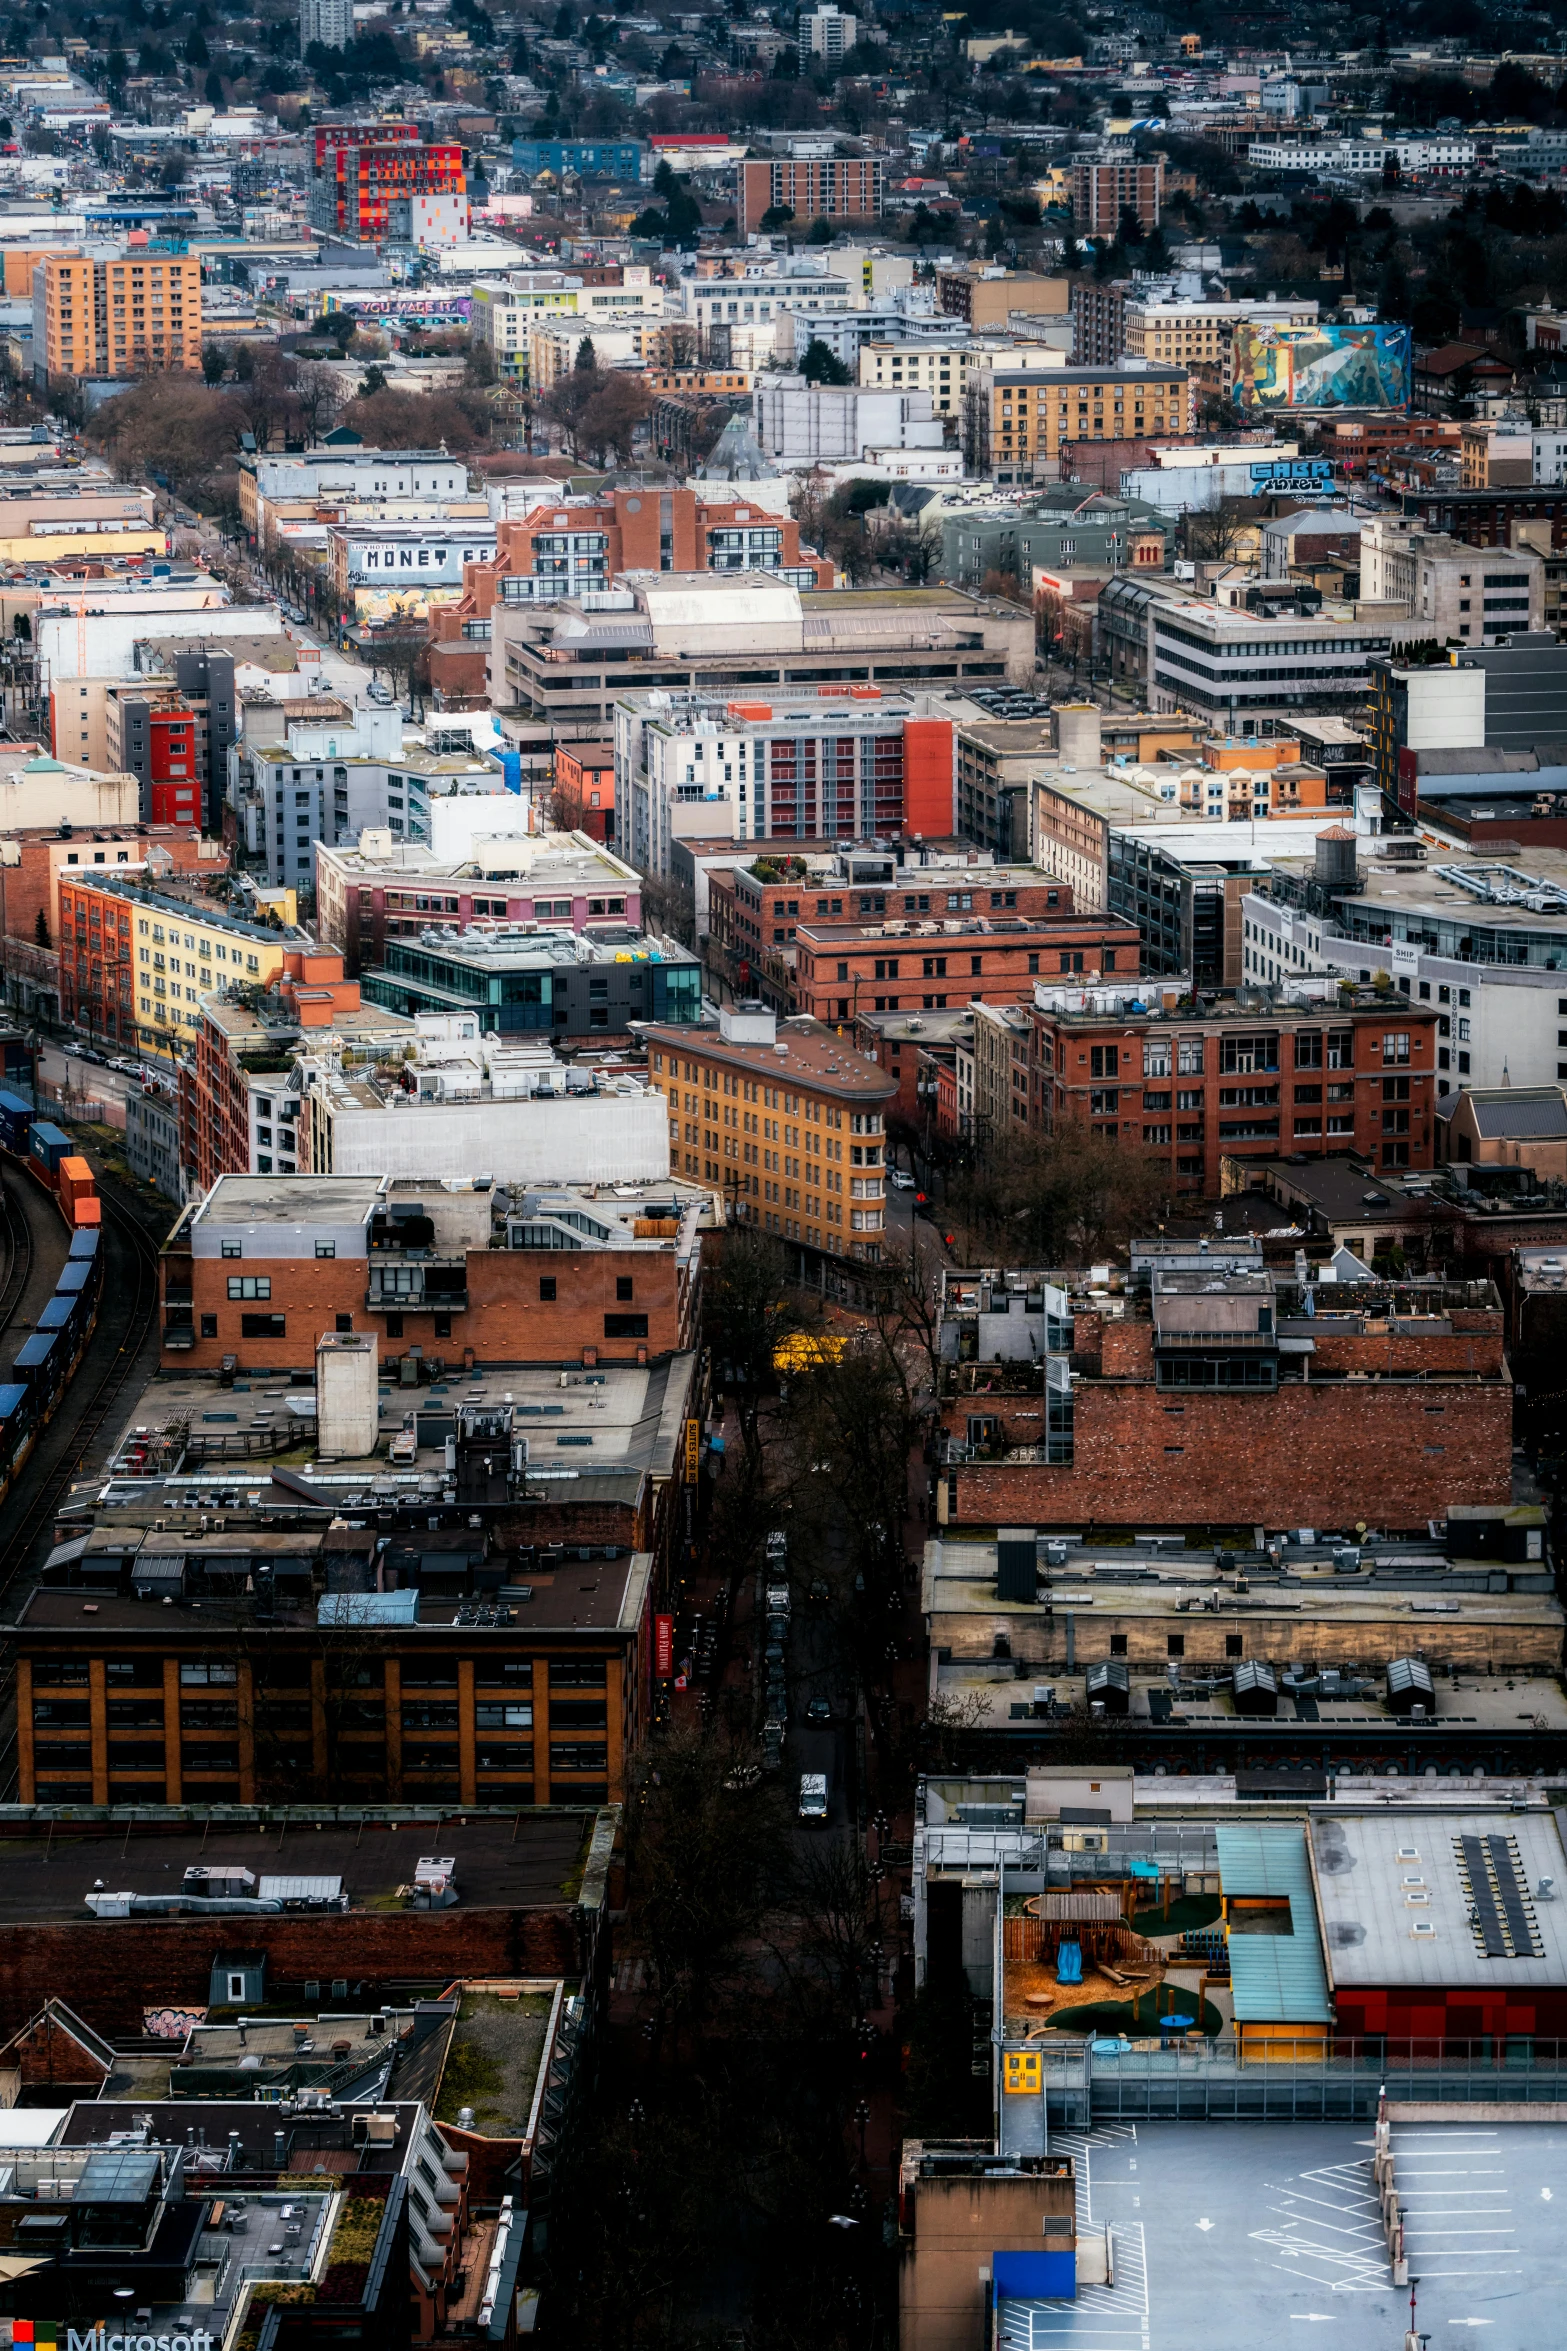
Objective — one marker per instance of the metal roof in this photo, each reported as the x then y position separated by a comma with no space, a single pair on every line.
1275,1979
1540,1114
1382,1878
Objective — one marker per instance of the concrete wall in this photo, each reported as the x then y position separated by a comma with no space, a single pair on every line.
598,1139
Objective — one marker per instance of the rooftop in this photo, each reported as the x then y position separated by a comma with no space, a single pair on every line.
504,1864
1462,1899
806,1052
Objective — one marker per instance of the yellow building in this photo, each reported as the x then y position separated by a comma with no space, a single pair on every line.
787,1119
133,316
1015,417
182,949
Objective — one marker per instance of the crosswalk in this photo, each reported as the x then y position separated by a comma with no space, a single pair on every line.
1456,2200
1324,2227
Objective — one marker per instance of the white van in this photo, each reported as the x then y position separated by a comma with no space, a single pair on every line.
813,1796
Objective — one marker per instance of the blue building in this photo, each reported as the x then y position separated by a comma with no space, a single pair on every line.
590,159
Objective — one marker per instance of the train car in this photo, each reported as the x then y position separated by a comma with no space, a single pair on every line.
41,1367
18,1428
87,1215
16,1116
76,1275
75,1182
47,1146
86,1246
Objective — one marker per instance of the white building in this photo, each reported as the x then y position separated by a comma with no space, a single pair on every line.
328,21
1476,595
1361,157
1497,1023
826,32
799,423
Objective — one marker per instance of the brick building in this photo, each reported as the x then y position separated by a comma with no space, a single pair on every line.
1154,1073
833,188
914,1048
788,1120
1017,420
844,969
260,1267
585,788
1104,187
135,962
755,908
1231,1399
381,890
566,546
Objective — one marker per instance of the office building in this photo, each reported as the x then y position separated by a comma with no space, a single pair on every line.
1181,330
985,298
799,423
382,888
1444,583
341,471
1187,652
755,635
938,962
522,981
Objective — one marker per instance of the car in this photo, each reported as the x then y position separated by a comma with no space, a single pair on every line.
819,1710
127,1069
899,1181
813,1797
77,1052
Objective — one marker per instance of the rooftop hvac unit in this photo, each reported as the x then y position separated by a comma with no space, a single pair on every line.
1255,1688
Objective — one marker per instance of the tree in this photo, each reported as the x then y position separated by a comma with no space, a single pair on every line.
318,395
41,928
777,216
587,361
1055,1199
1215,534
821,366
214,363
373,380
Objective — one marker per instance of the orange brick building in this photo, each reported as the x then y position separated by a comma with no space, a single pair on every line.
585,789
844,970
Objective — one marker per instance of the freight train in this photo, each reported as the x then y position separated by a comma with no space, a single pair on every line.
45,1361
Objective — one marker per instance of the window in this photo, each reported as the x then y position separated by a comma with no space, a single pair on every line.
1104,1061
1189,1056
623,1285
209,1326
326,1248
625,1326
250,1285
1395,1047
1175,1644
1234,1644
233,1248
263,1326
547,1291
1308,1049
1118,1644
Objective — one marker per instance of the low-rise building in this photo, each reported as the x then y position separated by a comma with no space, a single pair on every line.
522,980
935,962
1016,419
152,1140
1458,593
1233,666
136,961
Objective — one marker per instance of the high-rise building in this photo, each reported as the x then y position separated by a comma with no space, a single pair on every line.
135,315
330,22
826,32
1105,186
357,178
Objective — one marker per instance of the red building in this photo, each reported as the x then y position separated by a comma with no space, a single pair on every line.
174,777
585,788
357,181
1241,1081
842,970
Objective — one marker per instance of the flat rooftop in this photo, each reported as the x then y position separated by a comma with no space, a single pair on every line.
815,1057
1484,1703
1286,2215
296,1200
1457,1903
516,1863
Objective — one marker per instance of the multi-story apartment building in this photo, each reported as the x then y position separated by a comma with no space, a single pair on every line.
378,890
587,159
985,298
861,767
358,177
130,316
172,731
584,790
1328,1072
1183,332
277,485
786,1119
827,32
1105,186
936,962
505,308
833,188
1015,419
136,962
1099,320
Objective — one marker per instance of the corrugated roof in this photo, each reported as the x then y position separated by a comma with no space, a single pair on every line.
1275,1979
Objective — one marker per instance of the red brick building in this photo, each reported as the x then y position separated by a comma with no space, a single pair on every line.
842,970
834,188
1240,1081
588,542
585,789
1220,1403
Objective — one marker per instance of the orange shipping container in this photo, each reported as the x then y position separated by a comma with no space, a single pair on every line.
87,1210
76,1180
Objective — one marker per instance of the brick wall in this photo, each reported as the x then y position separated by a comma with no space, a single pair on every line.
1311,1454
110,1969
506,1320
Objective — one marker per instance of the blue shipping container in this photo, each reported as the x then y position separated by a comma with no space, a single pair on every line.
49,1146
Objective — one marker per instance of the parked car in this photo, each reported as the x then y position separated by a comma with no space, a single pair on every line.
899,1181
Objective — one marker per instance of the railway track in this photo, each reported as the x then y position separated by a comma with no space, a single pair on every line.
19,1253
85,1407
